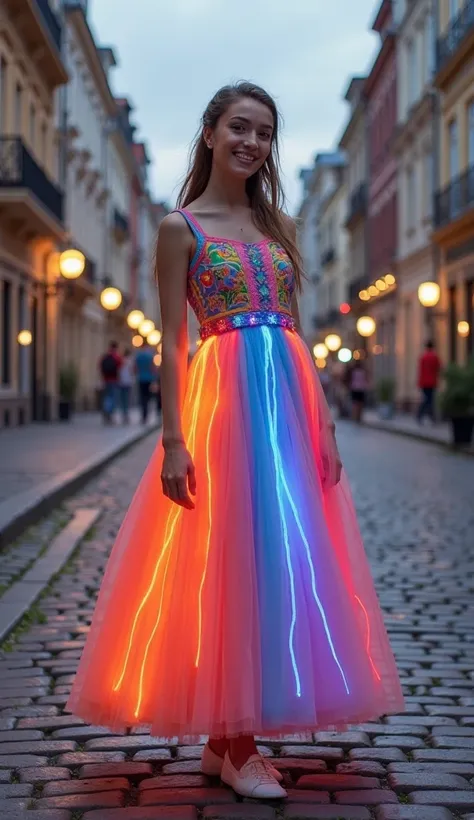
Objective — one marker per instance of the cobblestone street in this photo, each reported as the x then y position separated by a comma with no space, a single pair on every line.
416,510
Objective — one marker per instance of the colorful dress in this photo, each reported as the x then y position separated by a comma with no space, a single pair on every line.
255,612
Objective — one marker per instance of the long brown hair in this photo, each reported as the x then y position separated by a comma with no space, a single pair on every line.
264,188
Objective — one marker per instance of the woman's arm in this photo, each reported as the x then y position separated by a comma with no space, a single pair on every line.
172,261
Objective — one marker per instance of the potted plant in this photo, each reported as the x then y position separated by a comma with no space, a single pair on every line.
457,401
68,381
385,391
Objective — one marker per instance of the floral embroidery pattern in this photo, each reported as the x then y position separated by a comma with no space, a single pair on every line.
240,278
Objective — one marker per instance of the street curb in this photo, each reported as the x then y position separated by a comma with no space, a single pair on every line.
18,599
445,445
25,509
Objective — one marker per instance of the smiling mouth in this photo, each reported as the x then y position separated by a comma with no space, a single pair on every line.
246,159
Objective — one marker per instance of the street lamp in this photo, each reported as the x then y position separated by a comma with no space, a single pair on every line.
154,338
429,294
111,298
137,340
320,351
333,342
24,338
344,355
72,263
464,329
146,327
366,326
134,318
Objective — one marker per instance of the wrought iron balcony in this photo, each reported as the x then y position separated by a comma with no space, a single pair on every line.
456,199
459,29
357,204
51,21
328,256
20,173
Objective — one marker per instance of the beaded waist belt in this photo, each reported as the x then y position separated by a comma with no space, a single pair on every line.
223,324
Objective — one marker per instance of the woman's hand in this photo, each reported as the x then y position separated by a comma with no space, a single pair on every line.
332,463
178,476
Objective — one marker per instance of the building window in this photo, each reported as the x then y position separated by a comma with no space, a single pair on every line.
470,134
32,125
3,98
18,109
453,140
428,184
6,332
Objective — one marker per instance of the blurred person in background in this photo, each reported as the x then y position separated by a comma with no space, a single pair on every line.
145,369
358,384
429,368
109,367
126,379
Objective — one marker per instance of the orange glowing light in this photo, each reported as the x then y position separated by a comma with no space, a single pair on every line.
367,621
209,529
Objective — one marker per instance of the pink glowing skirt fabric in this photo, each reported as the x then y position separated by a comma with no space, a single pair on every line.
256,612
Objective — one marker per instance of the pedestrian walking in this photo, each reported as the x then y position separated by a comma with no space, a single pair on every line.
109,367
126,381
146,376
358,387
429,368
239,601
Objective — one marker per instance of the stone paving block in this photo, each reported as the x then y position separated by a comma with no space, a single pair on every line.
99,784
456,800
176,781
82,733
403,742
374,797
240,811
76,802
327,753
43,774
22,761
451,742
5,775
336,782
181,767
417,781
369,768
32,711
75,759
443,755
463,769
152,755
185,797
434,720
189,752
6,723
343,740
412,813
52,814
308,812
18,803
147,813
132,771
20,735
295,764
50,722
385,730
381,755
15,790
453,731
123,744
14,700
309,796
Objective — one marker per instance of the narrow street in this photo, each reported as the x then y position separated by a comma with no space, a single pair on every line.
416,509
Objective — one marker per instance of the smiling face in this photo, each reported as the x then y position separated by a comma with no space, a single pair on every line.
242,138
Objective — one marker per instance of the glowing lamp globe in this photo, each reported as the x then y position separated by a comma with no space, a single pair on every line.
24,338
72,263
134,319
111,298
366,326
344,355
321,363
157,359
390,279
137,341
154,337
320,351
429,294
364,295
333,342
463,329
146,327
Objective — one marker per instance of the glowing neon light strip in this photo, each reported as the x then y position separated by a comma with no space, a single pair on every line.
209,482
173,516
269,343
192,438
274,445
374,668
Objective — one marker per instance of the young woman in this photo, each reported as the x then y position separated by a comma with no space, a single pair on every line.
238,599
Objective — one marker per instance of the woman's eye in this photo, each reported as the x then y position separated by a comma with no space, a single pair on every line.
265,136
237,127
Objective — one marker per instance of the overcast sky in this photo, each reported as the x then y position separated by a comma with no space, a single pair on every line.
173,55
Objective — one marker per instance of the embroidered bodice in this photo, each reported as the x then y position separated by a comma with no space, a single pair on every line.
235,284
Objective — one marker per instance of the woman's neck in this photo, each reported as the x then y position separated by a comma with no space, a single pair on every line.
226,191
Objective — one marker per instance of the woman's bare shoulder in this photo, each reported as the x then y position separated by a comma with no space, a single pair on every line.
174,226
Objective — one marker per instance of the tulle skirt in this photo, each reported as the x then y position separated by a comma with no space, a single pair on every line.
255,612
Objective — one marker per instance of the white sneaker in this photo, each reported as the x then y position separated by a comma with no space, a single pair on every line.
253,779
212,763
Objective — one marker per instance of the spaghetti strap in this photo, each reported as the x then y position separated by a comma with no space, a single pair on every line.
197,232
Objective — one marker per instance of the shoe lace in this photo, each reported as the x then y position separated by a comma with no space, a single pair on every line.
259,770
